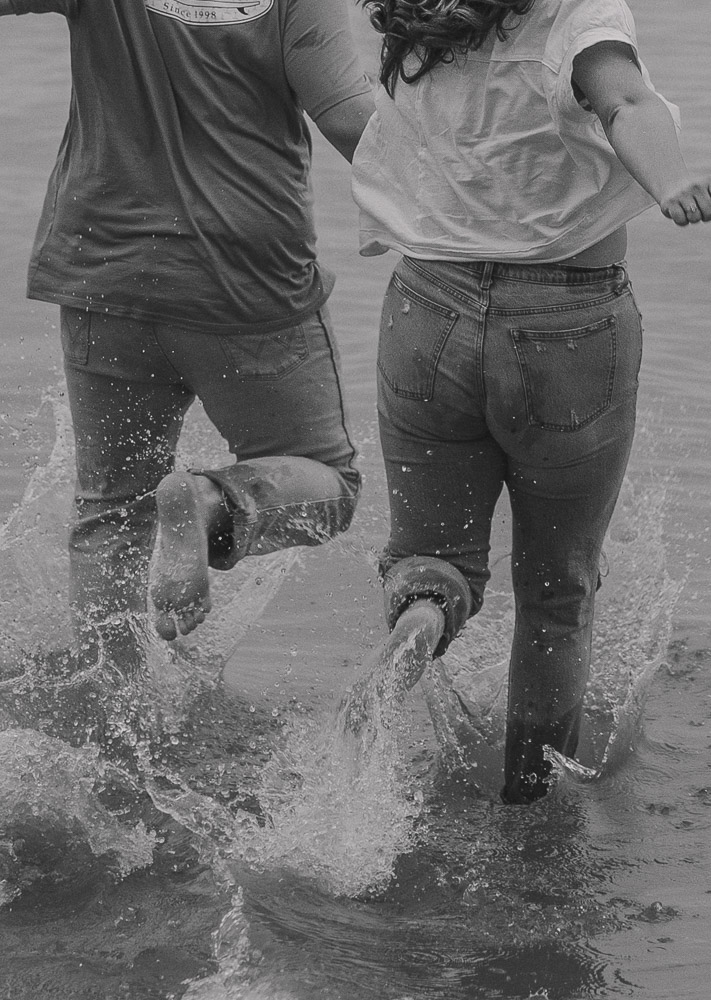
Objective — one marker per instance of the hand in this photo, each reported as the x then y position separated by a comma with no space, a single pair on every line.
690,203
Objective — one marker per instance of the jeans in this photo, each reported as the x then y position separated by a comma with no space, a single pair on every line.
524,376
277,400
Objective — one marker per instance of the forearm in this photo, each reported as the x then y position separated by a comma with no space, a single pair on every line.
643,135
641,131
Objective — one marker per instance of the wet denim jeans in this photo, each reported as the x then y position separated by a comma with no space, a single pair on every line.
524,376
277,400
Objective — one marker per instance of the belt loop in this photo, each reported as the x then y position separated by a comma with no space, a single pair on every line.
487,274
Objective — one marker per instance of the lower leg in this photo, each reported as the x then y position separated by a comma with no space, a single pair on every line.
560,517
550,656
109,550
526,765
214,519
127,409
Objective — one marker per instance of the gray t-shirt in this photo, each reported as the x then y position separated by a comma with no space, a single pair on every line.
181,189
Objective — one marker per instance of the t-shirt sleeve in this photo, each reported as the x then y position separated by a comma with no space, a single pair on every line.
320,57
66,7
588,23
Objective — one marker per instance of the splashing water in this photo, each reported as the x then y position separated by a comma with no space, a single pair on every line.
318,771
334,807
34,567
335,812
238,961
42,686
48,790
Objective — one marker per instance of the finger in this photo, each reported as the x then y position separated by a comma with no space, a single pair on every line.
693,212
703,200
675,211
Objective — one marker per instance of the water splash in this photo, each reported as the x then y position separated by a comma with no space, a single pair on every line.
238,976
34,566
330,807
335,809
48,794
337,813
51,705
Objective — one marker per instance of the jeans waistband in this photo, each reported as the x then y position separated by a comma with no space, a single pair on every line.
535,271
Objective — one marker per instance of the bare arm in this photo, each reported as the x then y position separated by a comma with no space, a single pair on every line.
343,124
641,131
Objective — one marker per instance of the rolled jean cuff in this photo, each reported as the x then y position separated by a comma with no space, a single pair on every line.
418,577
255,531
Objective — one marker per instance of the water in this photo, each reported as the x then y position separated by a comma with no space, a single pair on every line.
233,841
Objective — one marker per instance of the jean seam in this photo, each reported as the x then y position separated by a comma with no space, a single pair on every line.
571,276
424,299
443,285
337,376
553,310
155,333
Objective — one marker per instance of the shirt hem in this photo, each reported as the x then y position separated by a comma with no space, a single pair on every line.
380,242
199,326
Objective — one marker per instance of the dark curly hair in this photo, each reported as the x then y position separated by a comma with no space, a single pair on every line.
435,30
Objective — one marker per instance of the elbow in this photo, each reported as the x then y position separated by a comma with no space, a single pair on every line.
618,111
625,107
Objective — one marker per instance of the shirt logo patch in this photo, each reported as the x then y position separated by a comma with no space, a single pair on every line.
211,11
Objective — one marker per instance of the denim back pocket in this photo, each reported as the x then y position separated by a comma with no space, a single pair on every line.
413,332
75,328
266,355
568,375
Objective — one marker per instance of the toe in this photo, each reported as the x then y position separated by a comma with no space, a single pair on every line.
165,626
190,620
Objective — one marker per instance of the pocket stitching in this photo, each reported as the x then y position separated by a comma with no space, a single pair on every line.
518,335
438,347
302,356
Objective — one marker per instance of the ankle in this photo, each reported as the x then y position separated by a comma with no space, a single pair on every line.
215,509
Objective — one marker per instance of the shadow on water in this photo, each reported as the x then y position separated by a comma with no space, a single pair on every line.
162,837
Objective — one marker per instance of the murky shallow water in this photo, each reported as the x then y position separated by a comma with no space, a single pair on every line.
233,843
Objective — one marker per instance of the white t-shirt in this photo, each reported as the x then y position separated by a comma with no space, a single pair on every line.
491,156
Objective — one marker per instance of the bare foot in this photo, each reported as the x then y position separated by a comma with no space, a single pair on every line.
179,587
